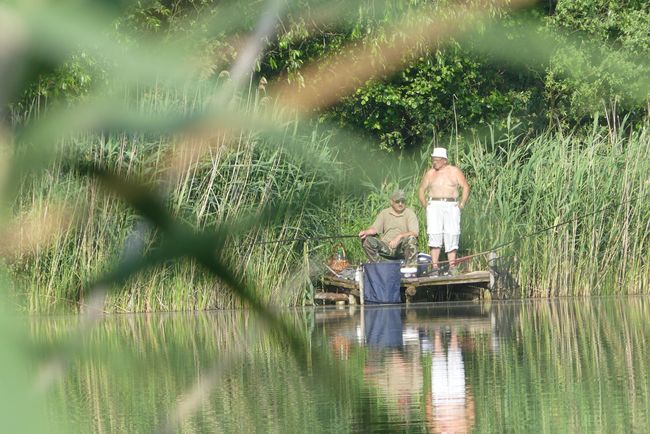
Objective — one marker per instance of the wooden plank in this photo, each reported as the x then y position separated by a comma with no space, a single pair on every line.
472,277
351,288
331,296
340,282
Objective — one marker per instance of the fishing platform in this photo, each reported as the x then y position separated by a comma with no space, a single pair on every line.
477,284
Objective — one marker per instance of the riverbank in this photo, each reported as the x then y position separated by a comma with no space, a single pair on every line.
520,184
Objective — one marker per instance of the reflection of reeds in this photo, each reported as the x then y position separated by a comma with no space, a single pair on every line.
573,366
150,361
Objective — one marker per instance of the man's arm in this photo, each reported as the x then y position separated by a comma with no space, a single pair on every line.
423,189
412,227
374,229
367,232
462,182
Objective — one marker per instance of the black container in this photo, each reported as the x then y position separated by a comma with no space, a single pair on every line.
423,268
423,264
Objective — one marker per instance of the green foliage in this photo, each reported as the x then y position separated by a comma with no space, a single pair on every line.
215,168
601,50
608,77
446,91
64,83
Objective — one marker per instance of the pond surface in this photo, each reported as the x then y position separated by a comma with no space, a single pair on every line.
573,365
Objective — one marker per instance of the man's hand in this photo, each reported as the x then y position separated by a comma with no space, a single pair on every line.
395,242
364,234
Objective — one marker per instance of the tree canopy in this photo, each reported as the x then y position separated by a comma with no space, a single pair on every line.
594,59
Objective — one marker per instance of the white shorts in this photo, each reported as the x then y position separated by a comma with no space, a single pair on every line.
443,224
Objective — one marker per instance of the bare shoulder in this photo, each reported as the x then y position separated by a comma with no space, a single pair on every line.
456,170
428,173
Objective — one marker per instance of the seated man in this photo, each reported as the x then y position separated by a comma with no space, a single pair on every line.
398,226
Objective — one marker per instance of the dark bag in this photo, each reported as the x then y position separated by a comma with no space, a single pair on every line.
381,282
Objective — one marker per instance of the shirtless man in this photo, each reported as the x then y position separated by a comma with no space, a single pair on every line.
439,195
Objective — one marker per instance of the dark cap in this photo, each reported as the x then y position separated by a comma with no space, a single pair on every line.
398,195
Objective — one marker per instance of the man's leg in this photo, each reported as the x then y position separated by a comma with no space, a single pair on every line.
452,235
374,248
451,256
435,245
451,243
408,249
435,231
435,255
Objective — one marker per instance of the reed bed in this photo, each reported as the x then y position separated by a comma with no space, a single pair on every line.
520,185
595,189
594,186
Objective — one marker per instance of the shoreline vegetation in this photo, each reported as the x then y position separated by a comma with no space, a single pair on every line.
520,184
237,124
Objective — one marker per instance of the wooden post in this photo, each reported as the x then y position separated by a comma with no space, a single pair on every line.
362,322
409,292
492,263
361,294
492,268
312,290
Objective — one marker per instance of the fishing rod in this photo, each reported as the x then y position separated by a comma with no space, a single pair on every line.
464,258
290,240
546,229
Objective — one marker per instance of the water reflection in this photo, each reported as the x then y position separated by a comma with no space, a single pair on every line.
414,357
533,366
450,405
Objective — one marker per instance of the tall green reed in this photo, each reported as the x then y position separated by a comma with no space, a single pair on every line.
598,184
234,176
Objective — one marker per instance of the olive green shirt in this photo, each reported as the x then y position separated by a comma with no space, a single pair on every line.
390,224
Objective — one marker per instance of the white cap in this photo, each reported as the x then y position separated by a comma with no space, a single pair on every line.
439,152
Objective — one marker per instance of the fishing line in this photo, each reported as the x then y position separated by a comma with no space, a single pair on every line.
465,258
290,240
541,231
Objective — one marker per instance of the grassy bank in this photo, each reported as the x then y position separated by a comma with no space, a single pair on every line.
519,185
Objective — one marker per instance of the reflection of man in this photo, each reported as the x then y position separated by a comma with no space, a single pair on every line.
398,226
438,193
450,407
391,365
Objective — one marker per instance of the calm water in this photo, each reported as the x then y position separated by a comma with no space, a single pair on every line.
533,366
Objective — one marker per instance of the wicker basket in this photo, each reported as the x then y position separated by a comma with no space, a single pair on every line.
338,261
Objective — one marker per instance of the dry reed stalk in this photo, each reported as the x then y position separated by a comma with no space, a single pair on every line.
6,152
34,231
